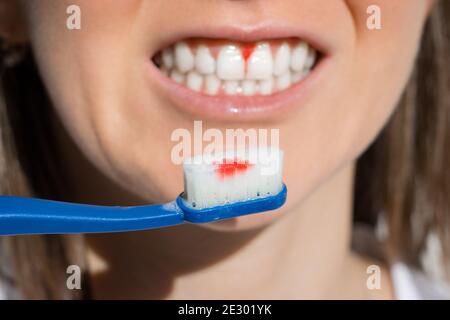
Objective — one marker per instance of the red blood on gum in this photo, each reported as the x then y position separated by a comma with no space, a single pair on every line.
247,51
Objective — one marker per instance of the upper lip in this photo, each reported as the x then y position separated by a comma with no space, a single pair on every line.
251,33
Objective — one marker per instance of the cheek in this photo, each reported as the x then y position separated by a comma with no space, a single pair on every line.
383,61
384,58
366,81
94,77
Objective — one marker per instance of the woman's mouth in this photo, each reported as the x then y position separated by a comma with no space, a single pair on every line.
220,67
238,79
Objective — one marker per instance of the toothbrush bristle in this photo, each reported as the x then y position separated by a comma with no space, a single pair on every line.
230,177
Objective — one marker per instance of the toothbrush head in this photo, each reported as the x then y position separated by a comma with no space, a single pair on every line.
231,184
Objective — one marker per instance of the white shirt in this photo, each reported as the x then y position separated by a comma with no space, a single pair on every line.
411,284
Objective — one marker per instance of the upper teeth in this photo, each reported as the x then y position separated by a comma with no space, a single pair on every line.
184,59
225,69
282,60
260,64
230,63
204,61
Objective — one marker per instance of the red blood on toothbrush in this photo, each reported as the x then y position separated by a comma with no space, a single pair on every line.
228,168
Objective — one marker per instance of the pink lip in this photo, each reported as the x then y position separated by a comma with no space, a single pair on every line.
242,108
252,33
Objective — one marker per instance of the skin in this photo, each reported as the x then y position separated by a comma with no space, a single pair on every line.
110,132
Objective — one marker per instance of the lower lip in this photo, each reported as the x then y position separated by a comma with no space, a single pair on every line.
235,108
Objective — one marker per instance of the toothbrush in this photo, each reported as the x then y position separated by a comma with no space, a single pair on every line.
218,186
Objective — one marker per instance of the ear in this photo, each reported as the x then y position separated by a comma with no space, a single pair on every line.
12,22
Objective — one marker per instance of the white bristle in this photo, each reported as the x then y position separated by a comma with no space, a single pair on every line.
206,187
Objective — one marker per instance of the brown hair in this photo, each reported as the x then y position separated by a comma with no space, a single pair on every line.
401,176
29,166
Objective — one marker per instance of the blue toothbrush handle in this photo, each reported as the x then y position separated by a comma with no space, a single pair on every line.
20,216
